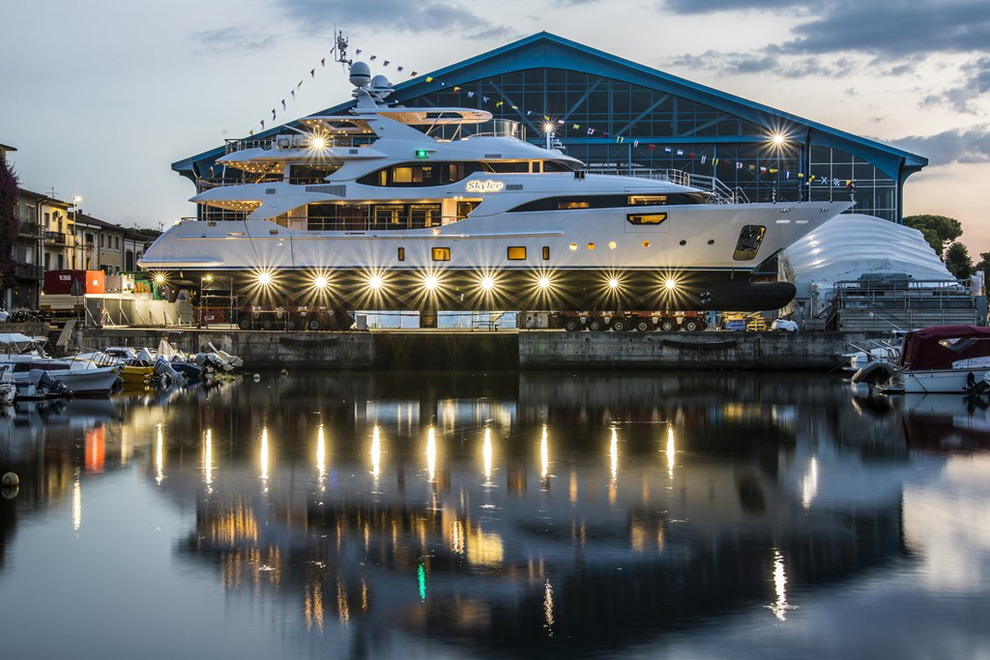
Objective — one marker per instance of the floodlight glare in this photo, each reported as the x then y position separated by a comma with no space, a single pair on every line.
613,283
375,282
487,283
670,284
320,282
319,142
544,282
431,282
264,279
159,278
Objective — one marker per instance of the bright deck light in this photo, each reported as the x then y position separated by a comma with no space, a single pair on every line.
319,142
207,278
487,283
544,282
548,127
375,282
264,279
159,278
320,282
670,284
613,283
431,282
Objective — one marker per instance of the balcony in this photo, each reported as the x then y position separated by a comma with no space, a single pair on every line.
55,238
28,271
27,228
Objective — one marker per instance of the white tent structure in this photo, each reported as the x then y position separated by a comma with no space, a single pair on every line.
849,245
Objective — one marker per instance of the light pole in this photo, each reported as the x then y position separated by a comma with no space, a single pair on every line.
75,216
778,143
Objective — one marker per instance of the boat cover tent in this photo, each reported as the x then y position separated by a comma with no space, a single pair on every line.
939,346
851,244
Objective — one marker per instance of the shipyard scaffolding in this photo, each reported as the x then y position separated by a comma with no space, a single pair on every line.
895,301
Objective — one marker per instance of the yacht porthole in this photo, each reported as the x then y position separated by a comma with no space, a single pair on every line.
683,242
611,245
646,244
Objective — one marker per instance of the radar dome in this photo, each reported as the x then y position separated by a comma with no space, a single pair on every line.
360,74
380,82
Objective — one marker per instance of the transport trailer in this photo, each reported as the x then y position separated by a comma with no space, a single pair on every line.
433,289
274,317
637,321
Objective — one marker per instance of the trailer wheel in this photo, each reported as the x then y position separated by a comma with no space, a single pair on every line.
292,323
691,325
595,325
313,324
268,323
668,325
244,323
572,325
620,324
642,325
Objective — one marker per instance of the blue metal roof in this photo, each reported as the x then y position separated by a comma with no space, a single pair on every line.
545,50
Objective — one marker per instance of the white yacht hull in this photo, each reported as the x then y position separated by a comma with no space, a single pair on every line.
939,381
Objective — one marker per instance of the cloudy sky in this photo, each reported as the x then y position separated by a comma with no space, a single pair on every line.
100,97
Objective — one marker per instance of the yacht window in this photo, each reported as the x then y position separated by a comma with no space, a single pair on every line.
502,167
750,238
337,217
464,209
422,174
647,200
422,216
646,218
608,201
441,254
546,253
556,166
389,216
311,173
401,254
517,253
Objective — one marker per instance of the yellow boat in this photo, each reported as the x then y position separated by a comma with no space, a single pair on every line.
131,374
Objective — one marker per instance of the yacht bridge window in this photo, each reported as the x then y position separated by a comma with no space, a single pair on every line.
431,173
609,201
311,173
378,217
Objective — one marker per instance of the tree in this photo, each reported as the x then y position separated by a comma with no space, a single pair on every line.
8,223
958,262
939,230
985,264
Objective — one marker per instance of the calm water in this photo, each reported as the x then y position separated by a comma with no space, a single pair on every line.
471,515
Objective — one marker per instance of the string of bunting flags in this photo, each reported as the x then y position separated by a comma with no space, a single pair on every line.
497,100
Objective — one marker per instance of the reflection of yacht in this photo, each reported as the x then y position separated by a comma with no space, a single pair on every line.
394,207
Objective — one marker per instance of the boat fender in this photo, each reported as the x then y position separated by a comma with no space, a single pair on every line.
874,373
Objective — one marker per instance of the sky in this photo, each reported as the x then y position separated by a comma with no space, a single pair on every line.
100,97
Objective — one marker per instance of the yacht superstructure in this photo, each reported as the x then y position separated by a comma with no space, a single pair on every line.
446,208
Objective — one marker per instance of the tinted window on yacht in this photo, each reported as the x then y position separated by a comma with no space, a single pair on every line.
750,238
337,217
609,201
556,166
404,216
311,173
507,168
422,174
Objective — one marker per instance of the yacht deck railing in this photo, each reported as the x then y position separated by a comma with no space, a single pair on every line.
721,193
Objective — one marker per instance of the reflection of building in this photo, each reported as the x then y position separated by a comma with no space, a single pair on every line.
613,113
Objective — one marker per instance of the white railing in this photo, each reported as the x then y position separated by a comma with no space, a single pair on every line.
721,193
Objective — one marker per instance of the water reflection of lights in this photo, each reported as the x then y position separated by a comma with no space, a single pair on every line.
809,483
313,605
780,607
613,454
544,454
343,610
321,452
376,453
76,504
264,453
431,453
421,578
208,458
548,606
670,450
486,452
160,455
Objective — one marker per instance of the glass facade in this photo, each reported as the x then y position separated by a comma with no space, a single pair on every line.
662,131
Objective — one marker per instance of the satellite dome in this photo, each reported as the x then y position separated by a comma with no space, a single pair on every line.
360,74
380,82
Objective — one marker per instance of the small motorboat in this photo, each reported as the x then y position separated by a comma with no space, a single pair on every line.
946,358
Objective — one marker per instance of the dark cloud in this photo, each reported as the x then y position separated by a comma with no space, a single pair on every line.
753,63
959,145
231,39
427,16
711,6
895,28
976,82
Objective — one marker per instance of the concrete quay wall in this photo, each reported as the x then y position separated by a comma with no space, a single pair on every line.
505,350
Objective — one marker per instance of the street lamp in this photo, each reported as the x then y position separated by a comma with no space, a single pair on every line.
778,142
